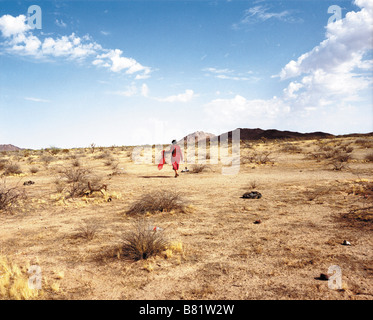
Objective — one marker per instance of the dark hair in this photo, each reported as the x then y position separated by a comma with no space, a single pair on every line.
173,141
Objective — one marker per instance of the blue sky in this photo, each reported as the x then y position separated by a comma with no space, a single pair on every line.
147,72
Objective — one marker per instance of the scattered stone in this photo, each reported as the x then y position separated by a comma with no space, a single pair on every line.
257,221
323,277
252,195
28,183
346,243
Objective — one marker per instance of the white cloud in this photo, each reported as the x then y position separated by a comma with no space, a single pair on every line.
37,100
332,85
105,33
20,40
182,97
116,62
261,13
60,23
228,74
10,26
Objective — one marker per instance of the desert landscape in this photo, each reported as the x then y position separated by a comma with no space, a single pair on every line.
90,223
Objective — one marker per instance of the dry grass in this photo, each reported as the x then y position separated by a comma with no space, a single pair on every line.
14,282
143,242
158,201
9,196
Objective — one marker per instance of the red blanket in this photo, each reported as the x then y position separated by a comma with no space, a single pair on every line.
162,162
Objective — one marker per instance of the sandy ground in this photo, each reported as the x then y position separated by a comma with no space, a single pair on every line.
225,255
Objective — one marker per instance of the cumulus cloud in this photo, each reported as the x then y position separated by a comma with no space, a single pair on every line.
10,26
327,82
20,40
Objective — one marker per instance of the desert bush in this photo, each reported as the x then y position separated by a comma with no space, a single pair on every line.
3,163
46,159
143,242
364,142
34,170
263,157
157,201
9,196
12,168
103,155
87,230
291,148
76,180
369,157
76,163
197,168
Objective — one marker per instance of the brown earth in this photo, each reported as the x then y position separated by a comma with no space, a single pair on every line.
305,213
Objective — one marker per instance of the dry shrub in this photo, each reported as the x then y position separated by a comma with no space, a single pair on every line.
158,201
291,148
369,157
197,168
34,170
9,197
143,242
3,163
12,168
263,157
76,163
364,143
360,214
46,159
103,155
87,230
77,181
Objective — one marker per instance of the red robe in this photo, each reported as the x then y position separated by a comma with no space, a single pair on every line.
176,157
162,162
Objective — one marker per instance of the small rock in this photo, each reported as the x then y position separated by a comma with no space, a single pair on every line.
346,243
252,195
257,221
323,277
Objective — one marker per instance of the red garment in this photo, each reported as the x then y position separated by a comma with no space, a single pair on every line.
177,156
162,162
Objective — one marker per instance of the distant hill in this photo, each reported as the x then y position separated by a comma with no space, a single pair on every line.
271,134
8,147
195,136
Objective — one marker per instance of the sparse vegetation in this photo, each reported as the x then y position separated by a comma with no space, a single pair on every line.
9,196
12,168
154,202
143,242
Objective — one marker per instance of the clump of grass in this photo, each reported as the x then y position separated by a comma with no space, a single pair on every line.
143,242
163,201
87,230
76,163
14,283
34,170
